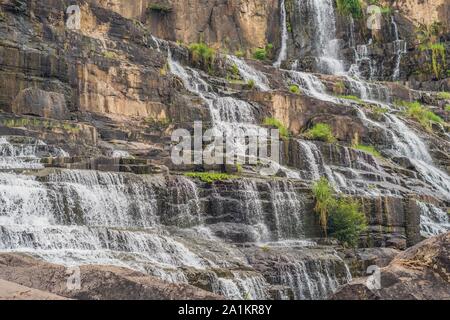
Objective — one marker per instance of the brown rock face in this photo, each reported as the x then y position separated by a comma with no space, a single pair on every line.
97,282
41,103
236,24
420,273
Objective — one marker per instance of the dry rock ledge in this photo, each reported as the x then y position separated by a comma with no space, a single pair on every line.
23,277
420,273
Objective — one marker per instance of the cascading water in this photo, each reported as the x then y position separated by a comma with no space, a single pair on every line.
399,48
324,28
433,221
284,35
288,209
250,74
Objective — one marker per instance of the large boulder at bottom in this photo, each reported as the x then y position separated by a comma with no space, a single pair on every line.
420,273
37,102
96,282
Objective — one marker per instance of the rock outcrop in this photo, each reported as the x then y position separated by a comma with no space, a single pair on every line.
96,282
420,273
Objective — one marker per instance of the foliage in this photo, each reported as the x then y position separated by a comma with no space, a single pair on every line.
110,55
210,177
235,70
239,53
251,84
322,132
447,108
272,122
428,38
324,197
260,54
294,89
354,98
444,95
339,87
202,53
368,149
340,218
39,123
418,112
350,8
347,222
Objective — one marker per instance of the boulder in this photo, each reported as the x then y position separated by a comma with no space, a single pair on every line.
96,282
420,273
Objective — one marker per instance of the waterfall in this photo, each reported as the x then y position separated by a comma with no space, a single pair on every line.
284,35
433,221
243,287
314,279
327,45
288,209
252,209
399,48
249,73
310,84
25,153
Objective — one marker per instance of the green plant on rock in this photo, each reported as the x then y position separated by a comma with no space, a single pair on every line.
272,122
251,84
293,88
239,53
353,98
350,8
346,222
324,196
447,108
203,54
444,95
368,149
235,70
339,88
321,132
210,177
428,37
421,114
260,54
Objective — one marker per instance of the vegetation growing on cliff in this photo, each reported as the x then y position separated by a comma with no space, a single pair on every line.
340,218
421,114
272,122
350,8
428,37
368,149
321,132
210,177
203,54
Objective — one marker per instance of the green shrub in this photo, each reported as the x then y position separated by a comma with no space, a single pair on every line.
418,112
272,122
444,95
260,54
349,8
368,149
235,70
202,53
110,55
239,53
294,89
347,222
322,132
251,84
210,177
349,97
447,108
324,197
